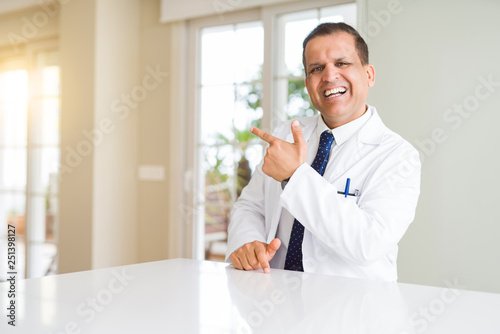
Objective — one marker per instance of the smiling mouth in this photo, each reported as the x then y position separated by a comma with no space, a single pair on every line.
335,92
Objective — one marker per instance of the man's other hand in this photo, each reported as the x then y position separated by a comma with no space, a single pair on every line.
283,158
255,255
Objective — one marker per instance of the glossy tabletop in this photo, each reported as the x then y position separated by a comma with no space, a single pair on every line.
187,296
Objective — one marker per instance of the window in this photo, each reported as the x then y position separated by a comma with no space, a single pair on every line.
29,159
230,95
240,84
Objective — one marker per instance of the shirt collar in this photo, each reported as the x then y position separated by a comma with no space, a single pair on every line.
343,132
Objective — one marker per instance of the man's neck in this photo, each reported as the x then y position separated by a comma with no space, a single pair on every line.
337,124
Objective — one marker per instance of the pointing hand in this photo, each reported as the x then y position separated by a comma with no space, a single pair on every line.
255,255
283,158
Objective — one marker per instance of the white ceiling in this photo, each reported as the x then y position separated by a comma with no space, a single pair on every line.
7,6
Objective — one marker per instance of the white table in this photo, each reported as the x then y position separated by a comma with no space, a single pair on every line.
187,296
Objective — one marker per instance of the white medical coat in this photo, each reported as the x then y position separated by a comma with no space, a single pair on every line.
355,236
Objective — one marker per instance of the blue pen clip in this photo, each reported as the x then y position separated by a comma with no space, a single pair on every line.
347,184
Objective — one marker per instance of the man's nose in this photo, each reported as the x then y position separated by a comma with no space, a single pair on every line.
330,73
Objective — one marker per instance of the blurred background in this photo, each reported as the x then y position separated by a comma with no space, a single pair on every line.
124,124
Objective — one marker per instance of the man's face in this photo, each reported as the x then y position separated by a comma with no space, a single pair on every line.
336,80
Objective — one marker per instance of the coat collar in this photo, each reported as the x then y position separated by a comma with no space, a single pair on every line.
368,137
373,131
370,133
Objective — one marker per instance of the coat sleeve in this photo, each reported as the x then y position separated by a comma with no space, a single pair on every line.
247,216
360,233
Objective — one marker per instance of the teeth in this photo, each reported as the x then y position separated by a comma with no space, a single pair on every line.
337,90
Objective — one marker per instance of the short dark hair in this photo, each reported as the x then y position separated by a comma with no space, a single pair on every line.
332,28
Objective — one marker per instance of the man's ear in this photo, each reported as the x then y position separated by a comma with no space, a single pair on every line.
307,85
370,74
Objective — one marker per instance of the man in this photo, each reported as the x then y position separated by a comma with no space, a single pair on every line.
337,191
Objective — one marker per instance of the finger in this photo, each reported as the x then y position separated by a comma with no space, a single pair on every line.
298,135
262,134
269,254
241,258
252,260
273,247
236,262
263,260
244,262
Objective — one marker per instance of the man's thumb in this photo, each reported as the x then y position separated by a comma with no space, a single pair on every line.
273,247
298,135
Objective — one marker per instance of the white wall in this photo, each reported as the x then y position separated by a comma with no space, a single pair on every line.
100,58
155,128
115,158
77,48
430,57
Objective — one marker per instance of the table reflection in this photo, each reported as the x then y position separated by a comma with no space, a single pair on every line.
292,302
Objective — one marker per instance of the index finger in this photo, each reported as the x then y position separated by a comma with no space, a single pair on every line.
262,134
263,259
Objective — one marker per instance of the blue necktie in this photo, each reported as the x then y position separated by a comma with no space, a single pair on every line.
293,259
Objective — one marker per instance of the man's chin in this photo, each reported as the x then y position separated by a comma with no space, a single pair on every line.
335,117
333,112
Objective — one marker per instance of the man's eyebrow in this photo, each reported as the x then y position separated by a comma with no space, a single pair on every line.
314,64
343,58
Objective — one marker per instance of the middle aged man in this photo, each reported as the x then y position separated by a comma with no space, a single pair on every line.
335,192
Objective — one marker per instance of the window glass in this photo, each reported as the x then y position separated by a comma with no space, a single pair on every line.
44,158
13,164
13,107
29,109
230,102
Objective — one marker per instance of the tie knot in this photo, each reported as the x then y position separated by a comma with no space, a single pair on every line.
326,139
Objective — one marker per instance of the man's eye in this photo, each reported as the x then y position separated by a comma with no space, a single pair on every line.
317,69
340,64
